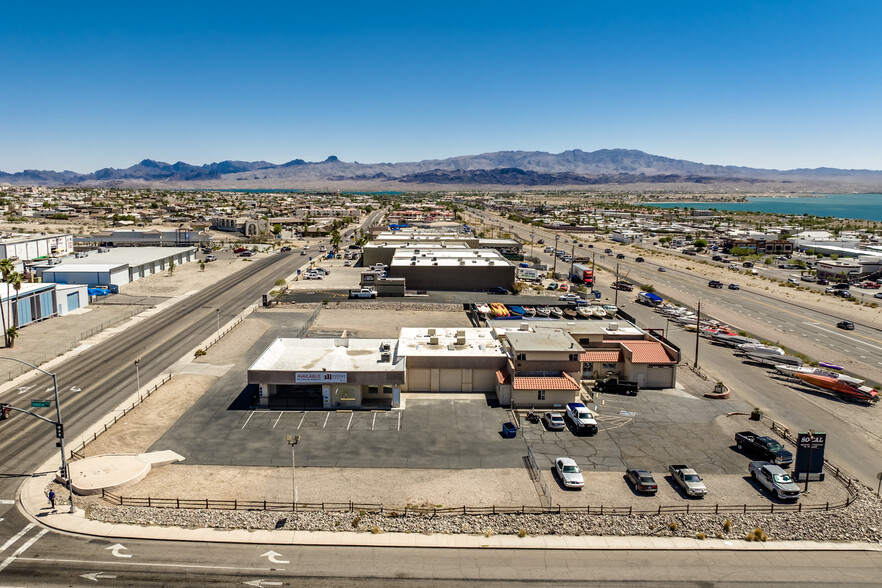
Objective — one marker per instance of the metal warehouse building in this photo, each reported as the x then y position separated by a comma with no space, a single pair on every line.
452,269
117,266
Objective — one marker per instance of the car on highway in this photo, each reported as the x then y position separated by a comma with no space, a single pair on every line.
569,473
847,325
793,281
285,249
842,293
498,290
830,290
715,284
210,258
620,256
734,287
347,263
661,268
642,480
554,421
822,282
303,253
638,259
608,251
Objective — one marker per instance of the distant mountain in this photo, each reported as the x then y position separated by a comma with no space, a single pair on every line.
501,168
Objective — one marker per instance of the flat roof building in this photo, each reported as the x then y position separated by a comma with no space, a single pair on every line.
115,266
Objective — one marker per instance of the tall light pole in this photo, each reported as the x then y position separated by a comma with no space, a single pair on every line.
292,441
554,267
217,320
138,376
59,426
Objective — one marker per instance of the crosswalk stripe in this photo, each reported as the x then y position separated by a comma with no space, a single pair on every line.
22,549
6,545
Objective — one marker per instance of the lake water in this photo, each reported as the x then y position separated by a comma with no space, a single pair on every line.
857,206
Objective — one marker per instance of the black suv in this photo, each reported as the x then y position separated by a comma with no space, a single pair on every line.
847,325
639,259
620,256
715,284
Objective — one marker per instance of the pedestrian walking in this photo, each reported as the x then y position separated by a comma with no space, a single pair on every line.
52,498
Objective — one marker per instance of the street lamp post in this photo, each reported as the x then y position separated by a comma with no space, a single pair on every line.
554,267
59,426
217,319
138,376
292,441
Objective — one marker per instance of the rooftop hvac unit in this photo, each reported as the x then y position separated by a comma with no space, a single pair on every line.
386,347
450,348
460,340
614,326
460,333
490,262
434,263
431,331
433,340
524,327
385,357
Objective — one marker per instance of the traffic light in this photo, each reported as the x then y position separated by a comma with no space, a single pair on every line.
4,410
59,430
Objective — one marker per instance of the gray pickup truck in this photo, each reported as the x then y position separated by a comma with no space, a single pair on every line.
765,448
689,480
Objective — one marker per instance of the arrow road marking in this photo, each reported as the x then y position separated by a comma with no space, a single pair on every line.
23,389
262,582
272,555
115,550
17,537
97,576
22,549
77,389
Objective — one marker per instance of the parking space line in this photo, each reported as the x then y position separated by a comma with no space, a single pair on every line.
374,421
248,419
277,420
327,416
349,424
399,420
301,421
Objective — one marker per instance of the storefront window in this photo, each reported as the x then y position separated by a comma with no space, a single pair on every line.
373,390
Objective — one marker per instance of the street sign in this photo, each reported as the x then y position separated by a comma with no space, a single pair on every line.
41,403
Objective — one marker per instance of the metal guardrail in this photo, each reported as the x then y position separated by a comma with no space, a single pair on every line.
266,505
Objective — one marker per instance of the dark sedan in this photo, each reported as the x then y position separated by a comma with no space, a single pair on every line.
847,325
642,480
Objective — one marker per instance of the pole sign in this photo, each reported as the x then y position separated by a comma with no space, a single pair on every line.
810,456
41,403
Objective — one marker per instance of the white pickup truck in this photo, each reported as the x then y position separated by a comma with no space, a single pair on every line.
582,419
363,293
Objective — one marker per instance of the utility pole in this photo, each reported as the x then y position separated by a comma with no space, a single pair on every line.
616,301
697,332
593,271
531,243
572,258
554,267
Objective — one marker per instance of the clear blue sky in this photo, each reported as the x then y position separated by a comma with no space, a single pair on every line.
777,84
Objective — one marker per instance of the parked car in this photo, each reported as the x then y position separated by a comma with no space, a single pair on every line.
763,447
553,421
210,258
847,325
206,250
564,287
877,295
246,254
312,276
774,479
793,281
616,386
552,286
568,298
734,287
568,472
830,290
347,263
239,249
642,480
689,480
822,281
582,419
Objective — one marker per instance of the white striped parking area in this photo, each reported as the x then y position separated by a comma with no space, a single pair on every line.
356,420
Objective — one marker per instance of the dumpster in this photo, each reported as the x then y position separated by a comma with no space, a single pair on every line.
509,430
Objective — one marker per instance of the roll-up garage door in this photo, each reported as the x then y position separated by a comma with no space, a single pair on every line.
73,301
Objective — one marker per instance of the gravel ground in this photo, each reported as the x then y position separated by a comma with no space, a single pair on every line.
385,319
862,521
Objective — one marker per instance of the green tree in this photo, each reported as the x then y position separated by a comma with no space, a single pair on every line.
11,334
6,269
171,267
700,243
277,229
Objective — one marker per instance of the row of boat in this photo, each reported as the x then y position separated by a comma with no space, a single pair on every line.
585,311
827,377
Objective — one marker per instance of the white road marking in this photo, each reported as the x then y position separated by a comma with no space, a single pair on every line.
248,419
76,389
301,420
277,420
327,416
399,420
17,537
844,336
22,549
349,424
115,550
374,422
95,576
39,560
7,501
262,582
272,556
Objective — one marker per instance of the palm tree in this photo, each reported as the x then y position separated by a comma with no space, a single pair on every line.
335,239
15,280
11,333
6,268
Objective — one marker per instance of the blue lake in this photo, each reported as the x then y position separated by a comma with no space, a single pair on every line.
857,206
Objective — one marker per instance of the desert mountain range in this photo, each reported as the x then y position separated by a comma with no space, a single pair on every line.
502,169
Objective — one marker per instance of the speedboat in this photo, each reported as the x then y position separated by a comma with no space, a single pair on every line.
498,309
556,312
789,370
483,310
543,311
570,313
610,309
585,311
516,310
773,360
529,311
732,339
839,388
599,312
759,349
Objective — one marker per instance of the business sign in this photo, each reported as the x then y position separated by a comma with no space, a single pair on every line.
810,456
320,378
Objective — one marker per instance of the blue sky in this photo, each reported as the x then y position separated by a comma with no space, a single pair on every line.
765,84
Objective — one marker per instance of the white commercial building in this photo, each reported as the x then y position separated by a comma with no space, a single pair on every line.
115,266
32,247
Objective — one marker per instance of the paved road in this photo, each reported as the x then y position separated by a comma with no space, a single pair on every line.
55,560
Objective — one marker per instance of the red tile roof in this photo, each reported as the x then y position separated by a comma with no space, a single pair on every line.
647,352
564,382
502,377
604,355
